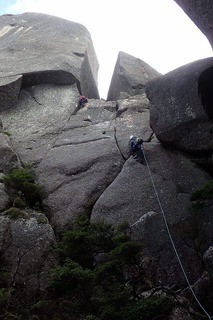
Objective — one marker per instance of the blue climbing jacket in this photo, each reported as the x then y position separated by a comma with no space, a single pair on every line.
135,145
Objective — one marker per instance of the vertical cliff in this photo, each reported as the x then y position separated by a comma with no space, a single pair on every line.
59,162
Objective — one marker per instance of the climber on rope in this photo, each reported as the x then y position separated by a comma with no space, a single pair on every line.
82,101
136,149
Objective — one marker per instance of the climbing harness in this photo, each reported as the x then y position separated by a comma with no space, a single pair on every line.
170,237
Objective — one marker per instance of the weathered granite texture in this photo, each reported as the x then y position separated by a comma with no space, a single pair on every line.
9,91
26,247
4,198
131,197
201,12
38,117
130,77
177,115
81,156
47,49
9,158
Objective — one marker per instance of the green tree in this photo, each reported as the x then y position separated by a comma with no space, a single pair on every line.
21,184
93,288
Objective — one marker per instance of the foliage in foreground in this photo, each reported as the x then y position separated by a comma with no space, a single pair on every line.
22,188
99,277
199,196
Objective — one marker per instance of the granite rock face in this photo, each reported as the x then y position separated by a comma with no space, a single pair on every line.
132,190
208,260
130,77
55,51
88,155
9,91
81,156
180,107
131,197
81,164
38,117
26,246
4,198
200,11
9,158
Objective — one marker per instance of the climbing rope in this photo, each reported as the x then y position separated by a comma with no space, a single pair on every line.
170,237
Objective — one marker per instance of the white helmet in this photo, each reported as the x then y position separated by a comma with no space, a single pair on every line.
131,137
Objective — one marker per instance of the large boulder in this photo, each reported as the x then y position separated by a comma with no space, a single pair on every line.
38,117
9,91
81,164
203,287
200,11
4,198
180,106
208,259
81,156
55,51
132,119
9,158
27,244
130,77
88,155
132,197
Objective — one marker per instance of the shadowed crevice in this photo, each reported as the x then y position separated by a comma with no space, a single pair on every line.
205,91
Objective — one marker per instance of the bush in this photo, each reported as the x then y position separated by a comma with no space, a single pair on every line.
15,213
19,203
98,291
71,277
195,206
3,297
149,308
204,193
21,183
16,178
32,193
126,252
198,197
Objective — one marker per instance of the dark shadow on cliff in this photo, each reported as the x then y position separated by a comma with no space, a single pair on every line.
205,91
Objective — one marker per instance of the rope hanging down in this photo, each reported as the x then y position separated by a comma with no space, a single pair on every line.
172,242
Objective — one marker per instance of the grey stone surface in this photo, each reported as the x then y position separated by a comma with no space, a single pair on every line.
82,163
55,50
4,198
9,91
208,260
179,312
130,76
97,111
38,118
27,250
132,198
8,159
131,194
177,115
88,155
132,119
201,12
5,233
204,293
81,156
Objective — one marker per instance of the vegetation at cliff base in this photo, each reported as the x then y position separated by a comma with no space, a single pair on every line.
204,193
99,277
22,188
199,196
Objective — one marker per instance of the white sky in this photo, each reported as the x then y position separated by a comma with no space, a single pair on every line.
155,31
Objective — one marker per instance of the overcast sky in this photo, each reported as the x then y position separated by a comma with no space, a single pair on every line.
155,31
